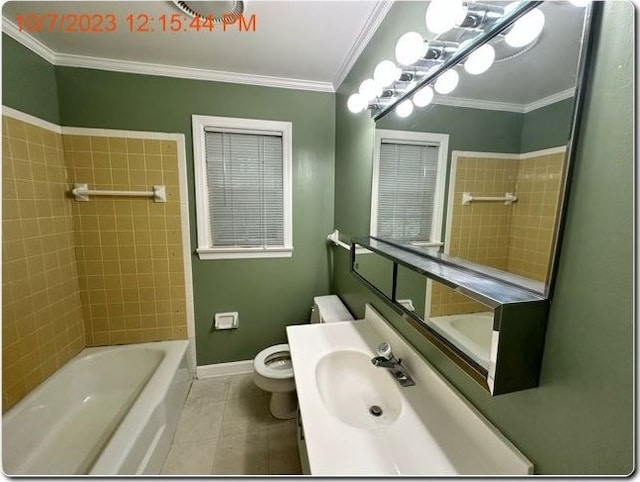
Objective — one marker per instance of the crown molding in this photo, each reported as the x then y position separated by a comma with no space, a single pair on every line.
371,25
503,106
552,99
134,67
369,28
37,47
477,104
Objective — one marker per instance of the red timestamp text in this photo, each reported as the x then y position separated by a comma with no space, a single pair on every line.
176,22
67,22
134,22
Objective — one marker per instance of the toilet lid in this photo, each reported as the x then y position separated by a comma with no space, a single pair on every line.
274,362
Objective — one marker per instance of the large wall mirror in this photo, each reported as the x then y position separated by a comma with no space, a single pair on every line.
508,133
479,174
504,135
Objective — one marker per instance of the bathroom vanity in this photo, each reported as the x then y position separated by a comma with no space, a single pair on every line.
358,420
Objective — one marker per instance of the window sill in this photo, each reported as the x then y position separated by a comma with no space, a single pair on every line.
427,244
243,253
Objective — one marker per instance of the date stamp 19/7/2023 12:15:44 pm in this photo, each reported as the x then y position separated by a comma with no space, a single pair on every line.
135,22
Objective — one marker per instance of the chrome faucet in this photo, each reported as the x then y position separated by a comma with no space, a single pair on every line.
386,359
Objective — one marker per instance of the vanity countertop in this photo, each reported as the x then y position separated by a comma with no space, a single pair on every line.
426,429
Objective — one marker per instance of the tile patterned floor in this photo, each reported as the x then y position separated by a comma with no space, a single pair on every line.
226,428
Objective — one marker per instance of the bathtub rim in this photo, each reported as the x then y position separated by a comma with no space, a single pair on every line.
443,324
141,411
122,441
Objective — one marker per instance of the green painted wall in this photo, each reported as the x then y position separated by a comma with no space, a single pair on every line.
28,82
268,293
580,419
490,131
468,129
547,127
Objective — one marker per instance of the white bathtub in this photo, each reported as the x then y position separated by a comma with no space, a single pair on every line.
108,411
471,332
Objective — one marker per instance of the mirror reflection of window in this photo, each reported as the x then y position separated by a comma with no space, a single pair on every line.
408,186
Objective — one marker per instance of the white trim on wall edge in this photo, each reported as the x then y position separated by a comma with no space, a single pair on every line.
186,251
505,155
164,70
223,369
544,152
36,121
89,131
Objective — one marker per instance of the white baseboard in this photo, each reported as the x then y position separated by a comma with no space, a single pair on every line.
223,369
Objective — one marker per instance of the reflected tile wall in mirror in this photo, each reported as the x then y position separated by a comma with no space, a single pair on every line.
517,237
508,132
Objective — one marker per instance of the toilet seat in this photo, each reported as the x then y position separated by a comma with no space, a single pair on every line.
269,362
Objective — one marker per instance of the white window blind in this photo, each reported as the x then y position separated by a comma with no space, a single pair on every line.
407,184
244,176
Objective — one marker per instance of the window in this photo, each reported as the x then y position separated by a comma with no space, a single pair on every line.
242,170
408,186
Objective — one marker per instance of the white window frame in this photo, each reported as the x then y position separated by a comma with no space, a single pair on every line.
411,137
205,249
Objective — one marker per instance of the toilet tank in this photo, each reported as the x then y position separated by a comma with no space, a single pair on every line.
328,309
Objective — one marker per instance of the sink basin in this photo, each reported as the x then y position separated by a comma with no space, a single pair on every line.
425,429
355,391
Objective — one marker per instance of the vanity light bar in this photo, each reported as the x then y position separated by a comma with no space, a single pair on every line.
463,51
442,55
480,15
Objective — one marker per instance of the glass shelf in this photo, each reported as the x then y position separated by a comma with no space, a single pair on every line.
516,336
488,286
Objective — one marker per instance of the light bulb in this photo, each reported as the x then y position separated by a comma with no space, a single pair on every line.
404,109
386,73
447,82
369,90
356,103
480,60
443,15
526,29
410,47
423,97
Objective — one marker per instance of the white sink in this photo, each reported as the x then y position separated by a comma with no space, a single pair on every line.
358,390
426,429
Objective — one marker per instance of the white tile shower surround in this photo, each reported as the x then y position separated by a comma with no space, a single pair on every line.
226,429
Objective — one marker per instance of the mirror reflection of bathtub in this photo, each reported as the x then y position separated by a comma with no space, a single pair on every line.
470,332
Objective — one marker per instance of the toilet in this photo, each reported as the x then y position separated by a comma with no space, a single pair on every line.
272,369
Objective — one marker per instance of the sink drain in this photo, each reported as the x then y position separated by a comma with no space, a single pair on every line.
375,410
